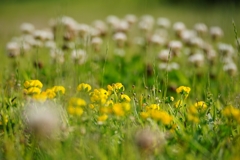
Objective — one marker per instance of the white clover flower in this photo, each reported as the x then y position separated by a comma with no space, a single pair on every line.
50,44
175,47
101,27
168,66
96,43
157,40
27,28
230,68
211,54
187,35
57,55
120,38
13,49
163,22
178,28
216,32
146,23
83,30
164,55
112,20
226,50
131,19
79,56
69,23
43,119
196,42
197,59
201,28
122,26
43,35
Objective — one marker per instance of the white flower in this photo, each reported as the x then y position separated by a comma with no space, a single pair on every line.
131,19
157,40
27,28
201,28
216,32
230,68
163,22
164,55
178,27
13,49
43,119
79,56
226,49
197,59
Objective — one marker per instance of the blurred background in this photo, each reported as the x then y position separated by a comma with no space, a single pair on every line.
212,12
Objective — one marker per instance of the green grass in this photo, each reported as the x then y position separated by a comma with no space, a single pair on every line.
170,131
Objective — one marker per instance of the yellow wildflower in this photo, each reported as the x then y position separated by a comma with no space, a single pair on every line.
32,83
144,115
183,91
99,96
50,93
102,118
78,111
178,104
200,105
118,109
105,110
193,118
40,97
32,90
163,116
125,97
193,110
59,89
77,102
153,107
118,86
75,110
84,87
230,111
91,106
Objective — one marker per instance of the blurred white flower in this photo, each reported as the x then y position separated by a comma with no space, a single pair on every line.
197,59
27,28
13,49
79,56
216,32
163,22
201,28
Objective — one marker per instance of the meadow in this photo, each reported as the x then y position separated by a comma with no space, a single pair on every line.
119,80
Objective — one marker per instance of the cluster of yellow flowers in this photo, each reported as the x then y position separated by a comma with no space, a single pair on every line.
183,90
106,102
33,88
195,111
153,111
232,113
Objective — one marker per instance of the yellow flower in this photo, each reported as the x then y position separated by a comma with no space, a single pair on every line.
71,110
40,97
50,93
118,86
125,97
193,110
59,89
78,111
118,109
163,116
200,105
32,90
75,110
183,91
106,110
144,115
99,96
91,106
84,87
193,118
230,111
102,118
153,107
77,102
3,119
178,104
33,83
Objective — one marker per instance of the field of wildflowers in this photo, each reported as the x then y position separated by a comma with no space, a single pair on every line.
130,87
